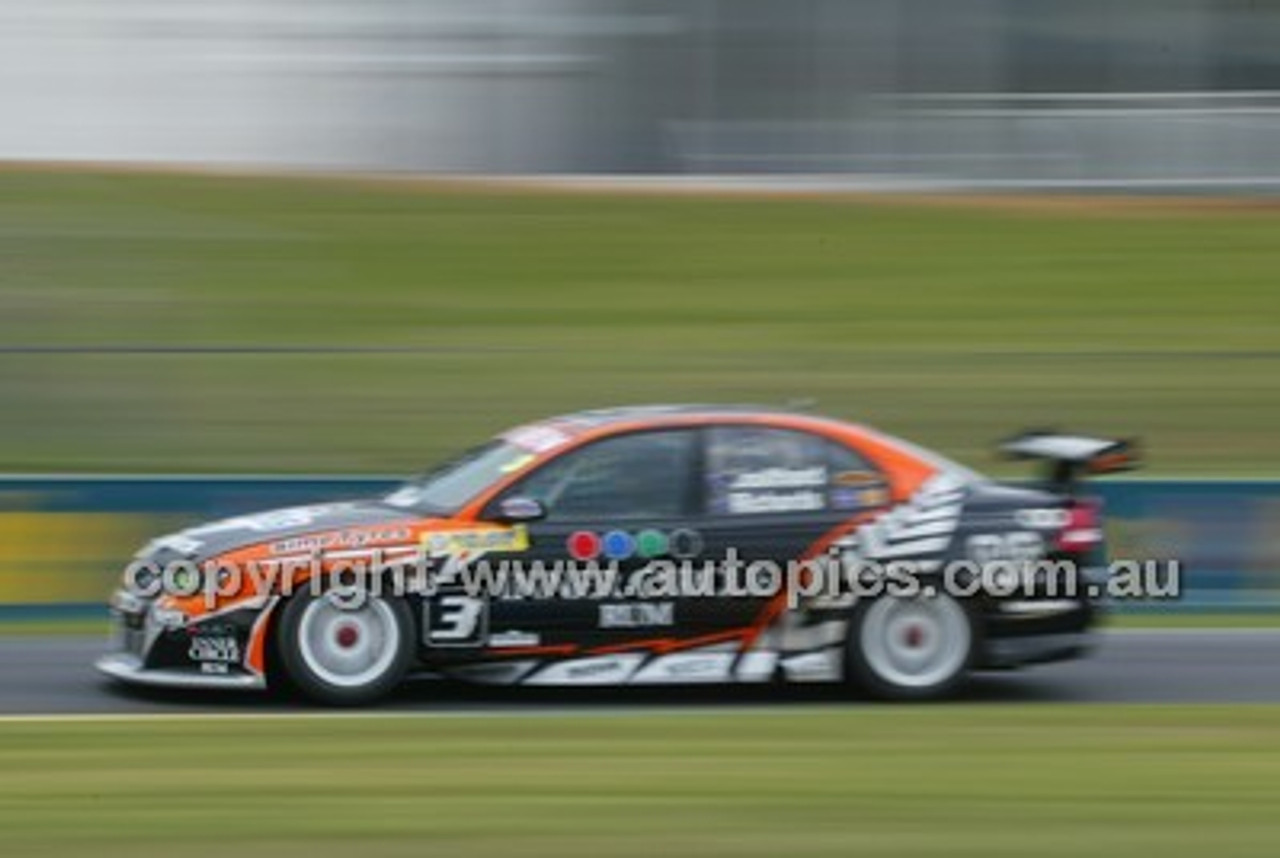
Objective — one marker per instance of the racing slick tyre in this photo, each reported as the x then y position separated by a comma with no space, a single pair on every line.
345,654
911,648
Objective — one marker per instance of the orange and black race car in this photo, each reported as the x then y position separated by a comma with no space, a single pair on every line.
665,544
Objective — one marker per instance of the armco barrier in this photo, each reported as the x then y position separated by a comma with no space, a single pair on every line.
64,540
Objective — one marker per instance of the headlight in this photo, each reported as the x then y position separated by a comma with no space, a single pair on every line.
184,579
142,579
168,618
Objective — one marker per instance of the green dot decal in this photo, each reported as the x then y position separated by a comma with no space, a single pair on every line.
651,543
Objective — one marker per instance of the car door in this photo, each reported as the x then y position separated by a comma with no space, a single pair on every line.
769,494
612,505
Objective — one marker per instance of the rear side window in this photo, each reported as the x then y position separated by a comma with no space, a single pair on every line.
758,470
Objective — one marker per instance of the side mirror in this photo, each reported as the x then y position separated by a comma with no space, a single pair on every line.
517,509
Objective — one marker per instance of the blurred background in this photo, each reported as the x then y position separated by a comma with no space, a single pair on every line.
349,238
976,92
260,252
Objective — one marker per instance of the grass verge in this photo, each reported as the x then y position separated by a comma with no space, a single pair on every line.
960,780
183,323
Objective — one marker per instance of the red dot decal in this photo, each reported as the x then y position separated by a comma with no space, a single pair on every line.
583,545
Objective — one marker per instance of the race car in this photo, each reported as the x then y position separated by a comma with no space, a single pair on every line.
638,546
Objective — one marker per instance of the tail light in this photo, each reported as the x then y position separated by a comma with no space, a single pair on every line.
1083,529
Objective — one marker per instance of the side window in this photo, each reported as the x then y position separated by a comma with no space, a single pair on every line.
637,476
757,470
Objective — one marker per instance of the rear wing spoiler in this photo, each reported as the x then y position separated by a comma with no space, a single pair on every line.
1069,457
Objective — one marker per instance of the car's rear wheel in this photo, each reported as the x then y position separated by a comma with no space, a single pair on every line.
344,653
911,648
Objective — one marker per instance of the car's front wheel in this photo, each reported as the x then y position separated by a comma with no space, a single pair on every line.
911,648
345,652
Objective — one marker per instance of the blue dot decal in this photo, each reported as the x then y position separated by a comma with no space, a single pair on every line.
619,545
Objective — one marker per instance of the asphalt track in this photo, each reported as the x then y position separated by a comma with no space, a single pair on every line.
53,675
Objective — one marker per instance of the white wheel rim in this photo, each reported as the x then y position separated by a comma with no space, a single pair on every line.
916,643
348,647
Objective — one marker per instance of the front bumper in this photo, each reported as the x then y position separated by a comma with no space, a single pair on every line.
158,648
129,668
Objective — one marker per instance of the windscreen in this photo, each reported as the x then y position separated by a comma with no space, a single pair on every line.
448,488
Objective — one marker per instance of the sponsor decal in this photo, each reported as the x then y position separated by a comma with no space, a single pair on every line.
477,541
339,539
1043,519
695,665
779,478
585,545
747,503
851,498
651,543
598,670
856,479
618,545
685,544
878,496
592,669
687,667
770,490
635,615
846,499
536,437
517,463
211,629
222,649
920,528
1018,547
823,666
514,638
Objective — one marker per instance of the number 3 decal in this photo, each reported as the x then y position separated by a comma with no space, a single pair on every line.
454,620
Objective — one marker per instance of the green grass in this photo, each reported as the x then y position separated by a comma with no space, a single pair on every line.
967,781
949,323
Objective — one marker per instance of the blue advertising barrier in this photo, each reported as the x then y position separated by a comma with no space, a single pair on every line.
64,540
1225,535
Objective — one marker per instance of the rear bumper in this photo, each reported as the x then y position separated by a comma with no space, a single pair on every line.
1035,631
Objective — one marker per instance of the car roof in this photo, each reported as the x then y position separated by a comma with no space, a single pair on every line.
603,417
551,433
